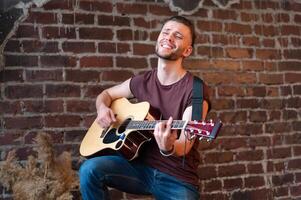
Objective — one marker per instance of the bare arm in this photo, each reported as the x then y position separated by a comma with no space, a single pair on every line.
105,116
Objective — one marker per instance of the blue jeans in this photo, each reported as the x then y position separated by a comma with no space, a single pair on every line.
132,177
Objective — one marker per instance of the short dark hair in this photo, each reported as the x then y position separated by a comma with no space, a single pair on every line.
186,22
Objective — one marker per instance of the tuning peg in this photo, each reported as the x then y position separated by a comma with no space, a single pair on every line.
200,138
207,132
192,136
203,123
209,140
211,122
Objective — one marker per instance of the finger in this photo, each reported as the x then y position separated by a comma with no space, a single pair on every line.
112,115
168,124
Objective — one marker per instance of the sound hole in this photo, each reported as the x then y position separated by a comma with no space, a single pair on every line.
118,144
110,136
124,125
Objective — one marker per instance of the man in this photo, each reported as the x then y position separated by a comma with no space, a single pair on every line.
160,169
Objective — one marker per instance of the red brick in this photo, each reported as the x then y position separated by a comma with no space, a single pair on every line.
238,28
227,171
278,127
253,155
117,75
225,14
232,117
280,180
12,46
258,116
290,30
125,62
292,54
96,33
267,17
96,6
145,23
247,103
254,168
254,182
296,41
86,76
23,91
267,54
219,77
113,20
58,61
280,191
209,26
296,125
124,34
8,107
297,89
293,102
212,185
141,35
266,4
96,61
257,91
79,47
233,143
27,31
80,106
23,122
54,106
271,79
243,5
143,49
92,91
56,121
290,114
221,104
68,18
38,46
214,195
225,39
8,75
50,32
59,5
239,53
218,157
84,18
250,41
13,138
272,104
160,10
265,30
21,60
42,18
253,194
276,153
292,77
247,17
282,17
273,92
44,75
216,52
62,90
255,142
245,78
295,190
230,91
294,138
207,172
132,8
74,136
230,184
268,43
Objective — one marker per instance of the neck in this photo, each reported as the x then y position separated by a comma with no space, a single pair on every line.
170,72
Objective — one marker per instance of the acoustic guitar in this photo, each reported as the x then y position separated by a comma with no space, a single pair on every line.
131,131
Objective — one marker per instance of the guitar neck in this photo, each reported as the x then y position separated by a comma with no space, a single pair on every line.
150,125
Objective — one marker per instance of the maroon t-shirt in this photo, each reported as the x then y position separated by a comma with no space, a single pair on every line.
166,101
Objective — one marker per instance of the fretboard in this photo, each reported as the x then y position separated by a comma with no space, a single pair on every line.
150,125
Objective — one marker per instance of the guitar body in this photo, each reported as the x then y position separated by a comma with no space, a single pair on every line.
99,141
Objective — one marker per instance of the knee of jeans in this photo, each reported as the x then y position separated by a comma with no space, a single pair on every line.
87,171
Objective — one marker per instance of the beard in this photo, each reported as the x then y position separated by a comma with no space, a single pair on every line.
172,55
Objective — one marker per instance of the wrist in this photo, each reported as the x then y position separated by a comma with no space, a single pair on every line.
168,152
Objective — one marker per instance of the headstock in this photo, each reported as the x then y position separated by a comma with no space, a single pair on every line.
201,129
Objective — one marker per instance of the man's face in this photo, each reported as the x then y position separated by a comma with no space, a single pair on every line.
174,41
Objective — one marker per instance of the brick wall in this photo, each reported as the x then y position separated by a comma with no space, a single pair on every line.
63,54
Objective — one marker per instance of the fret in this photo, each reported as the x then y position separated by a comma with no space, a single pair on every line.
150,125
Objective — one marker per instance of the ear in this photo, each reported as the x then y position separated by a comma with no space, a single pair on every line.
187,51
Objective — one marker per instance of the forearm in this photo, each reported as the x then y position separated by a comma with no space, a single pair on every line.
103,99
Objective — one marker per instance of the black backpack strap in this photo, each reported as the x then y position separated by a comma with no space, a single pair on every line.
197,99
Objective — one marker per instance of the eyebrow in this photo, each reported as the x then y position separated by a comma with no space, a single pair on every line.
177,32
